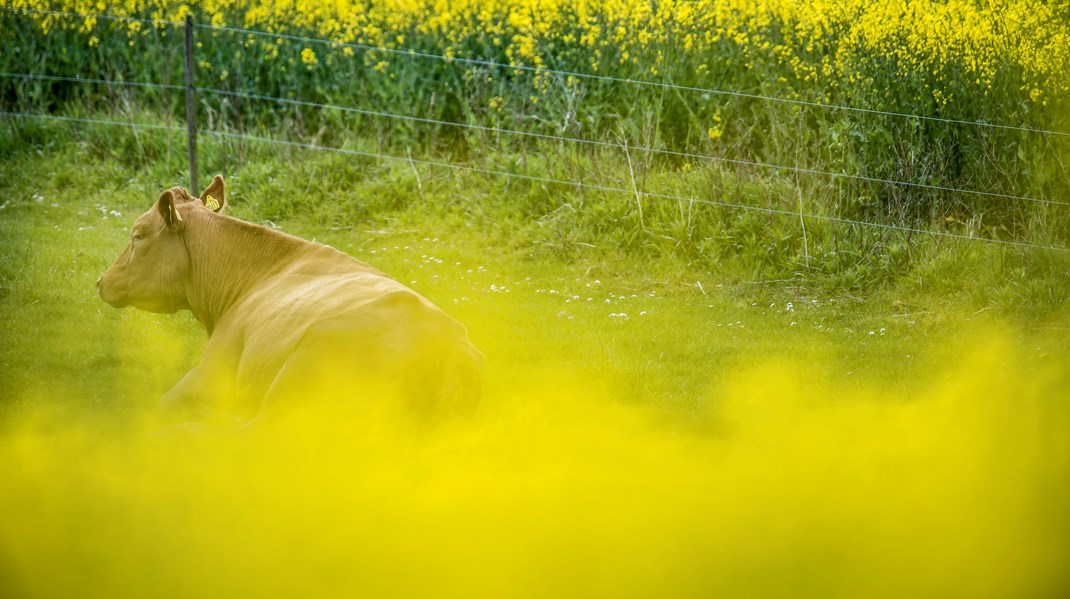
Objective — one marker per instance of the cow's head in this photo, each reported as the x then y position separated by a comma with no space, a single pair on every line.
153,271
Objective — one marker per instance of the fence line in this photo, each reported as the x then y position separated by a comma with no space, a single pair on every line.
549,180
191,105
86,80
498,130
79,15
544,70
631,191
611,79
189,87
73,119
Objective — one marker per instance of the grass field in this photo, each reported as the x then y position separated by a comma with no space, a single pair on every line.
683,397
651,425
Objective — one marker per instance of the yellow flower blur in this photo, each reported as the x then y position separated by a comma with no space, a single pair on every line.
823,40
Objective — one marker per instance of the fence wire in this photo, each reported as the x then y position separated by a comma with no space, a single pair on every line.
637,82
545,180
558,138
74,119
540,70
98,16
536,135
109,82
644,149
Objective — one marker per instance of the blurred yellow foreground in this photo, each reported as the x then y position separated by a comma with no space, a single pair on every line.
961,490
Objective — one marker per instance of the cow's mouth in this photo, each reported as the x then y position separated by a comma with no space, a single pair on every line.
110,294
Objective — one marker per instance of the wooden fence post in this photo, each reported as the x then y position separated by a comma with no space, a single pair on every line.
191,109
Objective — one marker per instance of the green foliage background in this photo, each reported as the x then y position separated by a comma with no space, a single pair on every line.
1003,63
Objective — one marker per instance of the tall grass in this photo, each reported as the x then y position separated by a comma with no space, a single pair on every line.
751,233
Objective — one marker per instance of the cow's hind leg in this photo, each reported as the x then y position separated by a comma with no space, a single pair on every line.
397,363
333,375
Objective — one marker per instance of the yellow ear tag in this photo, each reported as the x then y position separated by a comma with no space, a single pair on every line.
212,204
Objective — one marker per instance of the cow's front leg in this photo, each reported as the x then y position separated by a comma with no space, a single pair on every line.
190,400
202,394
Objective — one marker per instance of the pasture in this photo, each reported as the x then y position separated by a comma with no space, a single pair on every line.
844,376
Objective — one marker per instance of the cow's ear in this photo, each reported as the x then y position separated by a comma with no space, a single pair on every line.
214,197
165,205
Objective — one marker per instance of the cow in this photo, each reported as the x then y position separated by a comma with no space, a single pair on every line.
289,321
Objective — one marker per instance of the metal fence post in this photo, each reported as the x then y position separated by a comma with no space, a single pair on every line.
191,109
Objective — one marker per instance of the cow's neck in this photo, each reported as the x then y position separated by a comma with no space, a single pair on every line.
228,258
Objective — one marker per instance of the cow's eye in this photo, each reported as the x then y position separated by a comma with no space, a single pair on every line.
138,237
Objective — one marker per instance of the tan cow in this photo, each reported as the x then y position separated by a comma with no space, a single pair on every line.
288,320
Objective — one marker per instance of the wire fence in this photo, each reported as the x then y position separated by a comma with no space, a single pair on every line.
538,70
621,80
794,169
84,16
109,82
547,180
549,137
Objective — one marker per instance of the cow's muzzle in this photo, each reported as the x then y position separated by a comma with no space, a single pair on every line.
108,293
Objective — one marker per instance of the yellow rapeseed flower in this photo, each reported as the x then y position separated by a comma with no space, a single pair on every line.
954,45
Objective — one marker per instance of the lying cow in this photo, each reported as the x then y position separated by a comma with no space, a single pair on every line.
288,320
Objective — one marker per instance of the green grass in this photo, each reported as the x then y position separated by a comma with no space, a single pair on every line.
696,305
